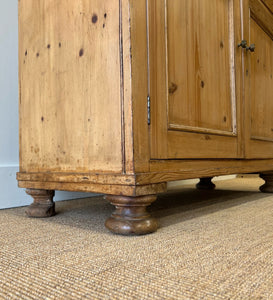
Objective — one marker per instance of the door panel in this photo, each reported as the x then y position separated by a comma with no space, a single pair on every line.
192,78
195,83
261,84
259,100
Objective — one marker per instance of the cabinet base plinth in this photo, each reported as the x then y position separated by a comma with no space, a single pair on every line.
131,216
205,184
268,186
43,205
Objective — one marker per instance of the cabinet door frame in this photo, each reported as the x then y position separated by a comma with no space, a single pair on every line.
255,11
167,142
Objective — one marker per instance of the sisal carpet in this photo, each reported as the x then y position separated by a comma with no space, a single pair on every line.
210,245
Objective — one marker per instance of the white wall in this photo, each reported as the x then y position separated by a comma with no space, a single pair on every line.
10,194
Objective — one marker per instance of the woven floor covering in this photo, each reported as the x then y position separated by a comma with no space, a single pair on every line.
210,245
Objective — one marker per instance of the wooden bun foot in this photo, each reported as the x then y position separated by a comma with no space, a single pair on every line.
205,184
268,186
43,205
130,216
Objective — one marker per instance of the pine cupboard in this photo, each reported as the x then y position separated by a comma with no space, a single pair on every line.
121,97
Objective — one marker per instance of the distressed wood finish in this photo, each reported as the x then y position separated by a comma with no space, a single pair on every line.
160,172
191,95
70,74
139,84
259,81
114,179
200,28
124,190
86,69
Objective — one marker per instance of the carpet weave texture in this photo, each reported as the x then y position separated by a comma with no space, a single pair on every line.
210,245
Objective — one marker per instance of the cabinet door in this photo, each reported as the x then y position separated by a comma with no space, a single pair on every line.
194,84
259,79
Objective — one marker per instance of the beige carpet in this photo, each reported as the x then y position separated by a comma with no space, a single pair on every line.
211,245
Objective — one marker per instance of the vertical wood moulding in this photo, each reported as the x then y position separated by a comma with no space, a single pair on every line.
138,29
122,88
157,42
148,78
232,66
167,61
243,91
127,89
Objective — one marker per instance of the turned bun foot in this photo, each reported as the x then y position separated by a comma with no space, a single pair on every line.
205,184
268,186
43,205
131,216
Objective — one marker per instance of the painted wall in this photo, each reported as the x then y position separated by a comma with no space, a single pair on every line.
10,194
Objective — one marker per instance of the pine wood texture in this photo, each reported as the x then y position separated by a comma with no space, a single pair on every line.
70,86
259,79
203,34
269,4
86,69
68,71
195,90
161,171
111,189
139,83
261,84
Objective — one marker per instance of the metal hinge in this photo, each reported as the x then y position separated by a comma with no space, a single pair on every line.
149,109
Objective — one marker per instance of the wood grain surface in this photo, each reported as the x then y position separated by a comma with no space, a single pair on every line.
86,69
193,79
70,86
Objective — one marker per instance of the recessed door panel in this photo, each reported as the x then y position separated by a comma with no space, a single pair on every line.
261,84
199,74
193,78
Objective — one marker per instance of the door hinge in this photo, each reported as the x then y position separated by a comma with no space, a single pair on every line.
149,109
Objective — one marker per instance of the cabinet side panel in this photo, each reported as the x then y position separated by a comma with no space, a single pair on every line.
70,104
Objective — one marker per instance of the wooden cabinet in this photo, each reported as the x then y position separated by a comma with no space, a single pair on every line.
121,97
